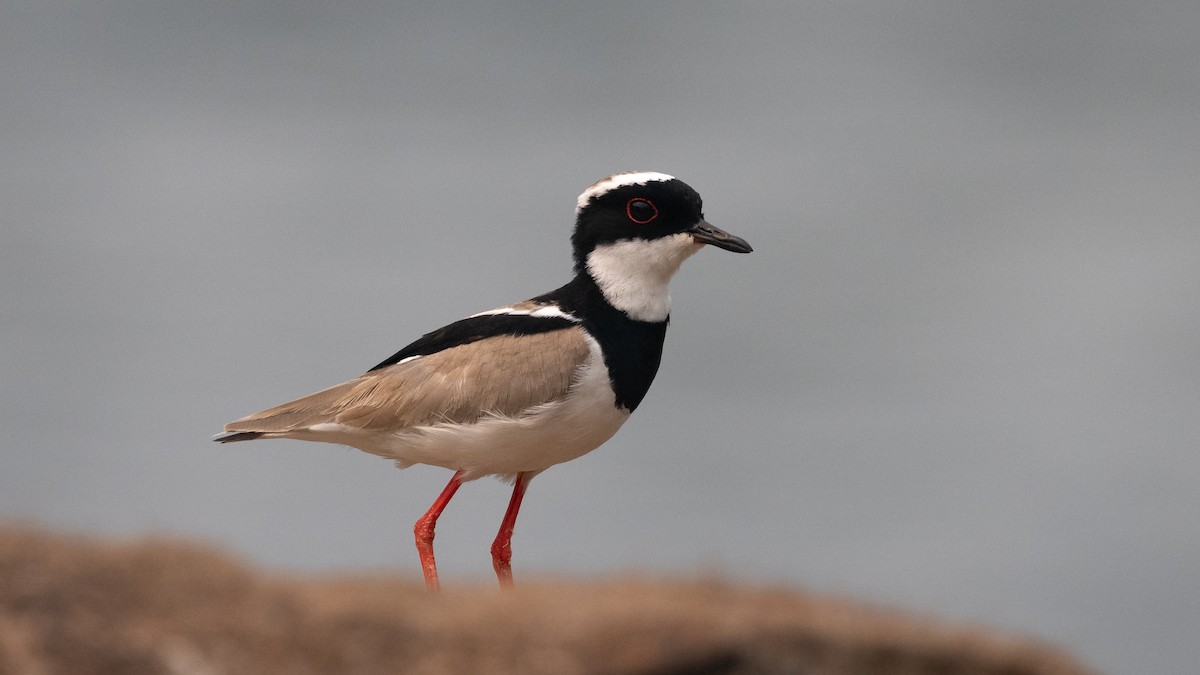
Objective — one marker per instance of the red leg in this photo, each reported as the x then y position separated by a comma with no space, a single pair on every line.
502,546
423,529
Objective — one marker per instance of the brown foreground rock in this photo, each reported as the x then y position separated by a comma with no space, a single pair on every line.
74,605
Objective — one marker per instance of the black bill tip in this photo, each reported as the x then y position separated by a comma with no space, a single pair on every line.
707,233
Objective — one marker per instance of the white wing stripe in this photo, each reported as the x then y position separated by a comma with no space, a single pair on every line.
543,312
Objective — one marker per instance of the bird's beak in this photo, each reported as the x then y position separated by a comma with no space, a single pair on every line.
706,233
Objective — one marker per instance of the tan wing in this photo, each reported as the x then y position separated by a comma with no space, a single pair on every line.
502,375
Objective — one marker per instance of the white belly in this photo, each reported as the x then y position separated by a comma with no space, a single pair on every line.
547,435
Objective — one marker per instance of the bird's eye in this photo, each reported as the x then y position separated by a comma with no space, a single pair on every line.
641,211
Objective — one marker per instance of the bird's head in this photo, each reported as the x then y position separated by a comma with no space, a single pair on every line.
632,232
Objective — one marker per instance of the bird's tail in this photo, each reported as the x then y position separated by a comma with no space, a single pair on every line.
234,436
279,421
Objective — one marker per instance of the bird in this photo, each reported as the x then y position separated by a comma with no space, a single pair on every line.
515,390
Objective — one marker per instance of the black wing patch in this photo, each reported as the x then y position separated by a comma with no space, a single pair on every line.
473,329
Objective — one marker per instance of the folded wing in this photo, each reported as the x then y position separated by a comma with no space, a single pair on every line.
502,375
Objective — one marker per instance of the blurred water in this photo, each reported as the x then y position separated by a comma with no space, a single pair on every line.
957,374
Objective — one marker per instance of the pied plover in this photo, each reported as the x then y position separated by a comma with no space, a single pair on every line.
515,390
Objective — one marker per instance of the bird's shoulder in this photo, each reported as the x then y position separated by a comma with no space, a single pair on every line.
529,317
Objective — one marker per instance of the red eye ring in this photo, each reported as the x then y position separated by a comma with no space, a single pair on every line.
642,218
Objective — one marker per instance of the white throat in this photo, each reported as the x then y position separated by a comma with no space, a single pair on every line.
633,274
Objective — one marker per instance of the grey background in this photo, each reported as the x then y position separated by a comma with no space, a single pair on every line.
959,374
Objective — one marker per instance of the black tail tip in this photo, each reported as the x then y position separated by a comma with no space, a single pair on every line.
234,436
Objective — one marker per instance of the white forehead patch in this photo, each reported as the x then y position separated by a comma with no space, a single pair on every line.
615,181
